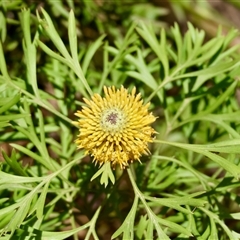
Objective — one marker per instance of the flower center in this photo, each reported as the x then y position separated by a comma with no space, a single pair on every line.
112,119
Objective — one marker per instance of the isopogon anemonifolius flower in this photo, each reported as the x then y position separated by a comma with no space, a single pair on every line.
115,128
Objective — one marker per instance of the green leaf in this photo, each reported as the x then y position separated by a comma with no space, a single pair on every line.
13,163
149,232
29,51
41,201
22,211
11,178
175,227
72,35
3,66
235,216
11,102
51,53
153,219
127,226
5,219
228,146
236,235
224,163
147,33
2,200
142,225
4,124
48,235
10,117
33,155
179,42
205,74
177,201
61,235
106,173
216,218
73,63
3,27
213,231
48,26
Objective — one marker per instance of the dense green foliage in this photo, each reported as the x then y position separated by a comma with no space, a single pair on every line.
50,190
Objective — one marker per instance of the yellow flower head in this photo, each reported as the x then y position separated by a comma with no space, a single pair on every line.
115,128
